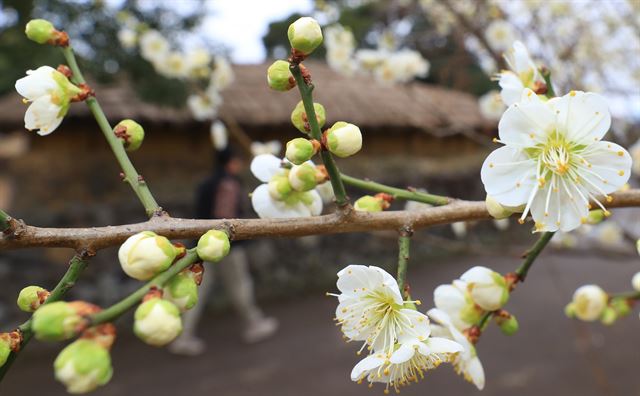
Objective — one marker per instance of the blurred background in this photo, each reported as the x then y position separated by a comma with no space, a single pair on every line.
417,78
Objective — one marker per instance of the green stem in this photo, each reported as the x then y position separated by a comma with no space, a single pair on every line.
131,176
547,80
5,222
76,265
532,254
327,158
404,241
633,295
397,193
134,298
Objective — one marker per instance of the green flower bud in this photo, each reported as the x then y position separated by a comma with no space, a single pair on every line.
56,321
299,151
279,187
621,306
130,133
146,254
305,35
496,210
304,177
608,316
508,324
31,297
181,290
369,203
596,216
213,246
279,76
83,366
157,322
40,30
570,310
299,116
343,139
5,349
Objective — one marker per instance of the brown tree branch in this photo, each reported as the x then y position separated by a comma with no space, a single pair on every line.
174,228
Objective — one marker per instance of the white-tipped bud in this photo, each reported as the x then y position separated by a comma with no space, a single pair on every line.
589,301
343,139
182,291
305,177
488,289
56,321
635,281
213,246
83,366
299,117
279,187
305,35
496,210
369,203
157,322
146,254
300,150
279,76
31,298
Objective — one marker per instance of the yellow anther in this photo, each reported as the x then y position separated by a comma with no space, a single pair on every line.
621,173
620,153
521,221
572,93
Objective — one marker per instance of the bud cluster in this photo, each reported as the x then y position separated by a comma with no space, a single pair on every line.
591,303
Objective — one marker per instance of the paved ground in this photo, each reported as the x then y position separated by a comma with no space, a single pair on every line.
550,355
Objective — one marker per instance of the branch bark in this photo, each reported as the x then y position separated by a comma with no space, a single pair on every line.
239,229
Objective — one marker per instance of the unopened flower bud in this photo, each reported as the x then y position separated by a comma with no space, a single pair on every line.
589,301
31,297
300,120
496,210
507,322
343,139
621,306
638,246
56,321
130,133
146,254
299,151
157,322
279,76
369,203
488,289
279,187
608,316
596,216
305,177
213,246
83,366
40,30
305,35
5,348
635,281
182,291
570,310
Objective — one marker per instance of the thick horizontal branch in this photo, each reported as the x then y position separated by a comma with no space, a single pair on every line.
100,237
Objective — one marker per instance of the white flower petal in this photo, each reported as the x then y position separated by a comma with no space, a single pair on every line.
404,353
610,166
366,364
42,115
265,166
584,116
511,87
443,345
508,176
418,326
526,122
564,211
475,372
37,83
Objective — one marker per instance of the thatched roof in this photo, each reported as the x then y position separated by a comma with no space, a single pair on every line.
251,103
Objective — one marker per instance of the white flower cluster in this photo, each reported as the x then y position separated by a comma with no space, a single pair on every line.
384,63
398,338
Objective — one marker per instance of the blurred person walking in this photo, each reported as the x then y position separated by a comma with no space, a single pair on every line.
221,196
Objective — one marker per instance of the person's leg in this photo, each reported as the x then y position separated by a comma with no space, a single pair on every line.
188,342
234,270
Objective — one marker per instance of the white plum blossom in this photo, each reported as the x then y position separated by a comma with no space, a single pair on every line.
554,161
523,74
275,198
153,46
408,363
491,105
465,363
222,75
402,66
272,147
371,309
201,107
49,93
456,301
173,65
197,61
488,289
635,281
500,35
127,38
219,135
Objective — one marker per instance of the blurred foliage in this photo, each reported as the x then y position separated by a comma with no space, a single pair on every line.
367,19
93,28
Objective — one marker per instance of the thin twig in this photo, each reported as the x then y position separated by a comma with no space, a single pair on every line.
404,243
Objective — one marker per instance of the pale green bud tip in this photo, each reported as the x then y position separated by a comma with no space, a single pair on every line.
609,316
509,326
570,310
40,30
305,35
181,290
369,203
130,133
5,350
279,76
496,210
343,139
304,177
31,297
596,216
144,255
55,322
213,246
621,306
157,322
299,117
299,151
279,187
83,366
